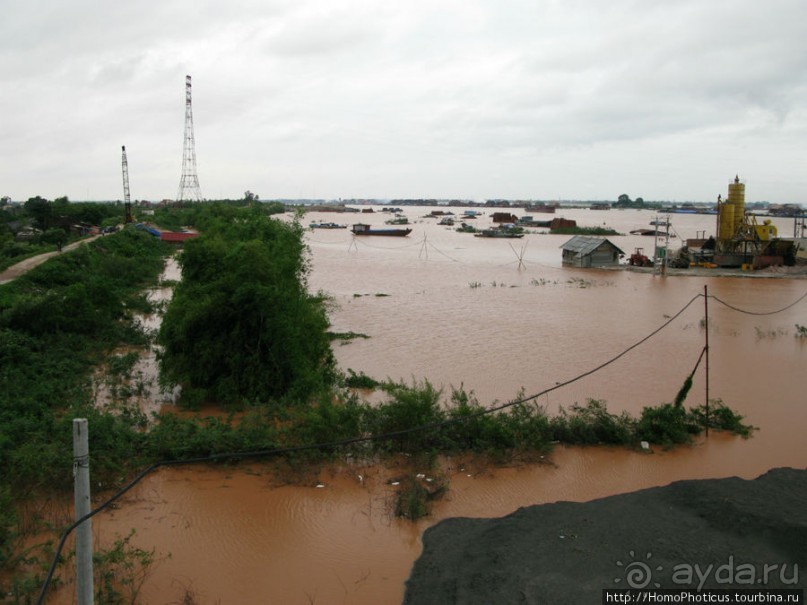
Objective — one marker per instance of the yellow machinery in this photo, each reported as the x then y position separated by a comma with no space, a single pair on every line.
766,231
736,230
741,241
737,202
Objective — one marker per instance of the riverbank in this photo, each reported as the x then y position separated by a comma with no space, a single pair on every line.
568,552
798,271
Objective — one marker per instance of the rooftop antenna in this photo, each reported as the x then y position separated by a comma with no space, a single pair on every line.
127,201
189,183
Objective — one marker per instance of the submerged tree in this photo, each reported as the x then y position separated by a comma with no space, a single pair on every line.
242,324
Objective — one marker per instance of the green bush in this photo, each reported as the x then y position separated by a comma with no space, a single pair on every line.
406,409
592,424
666,424
360,380
8,522
721,418
415,495
241,324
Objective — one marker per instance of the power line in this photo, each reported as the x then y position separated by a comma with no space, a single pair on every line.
733,308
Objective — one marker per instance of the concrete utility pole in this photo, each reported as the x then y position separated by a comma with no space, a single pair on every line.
81,479
706,330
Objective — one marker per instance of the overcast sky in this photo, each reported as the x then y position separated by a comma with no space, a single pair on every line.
517,99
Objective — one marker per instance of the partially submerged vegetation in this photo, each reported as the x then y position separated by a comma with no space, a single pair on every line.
241,331
57,323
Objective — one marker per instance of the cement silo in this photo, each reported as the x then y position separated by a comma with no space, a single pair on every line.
737,200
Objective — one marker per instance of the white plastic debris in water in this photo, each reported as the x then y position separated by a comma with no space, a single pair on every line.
320,485
645,445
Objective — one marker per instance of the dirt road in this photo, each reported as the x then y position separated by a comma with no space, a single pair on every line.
14,271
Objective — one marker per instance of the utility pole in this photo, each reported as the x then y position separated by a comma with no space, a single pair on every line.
706,329
81,479
660,253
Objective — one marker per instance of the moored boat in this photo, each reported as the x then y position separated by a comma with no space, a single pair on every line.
364,229
507,233
326,225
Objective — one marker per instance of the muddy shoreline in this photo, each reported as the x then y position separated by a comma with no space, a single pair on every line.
798,271
568,552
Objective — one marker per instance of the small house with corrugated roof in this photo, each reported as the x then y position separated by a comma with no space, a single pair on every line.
588,251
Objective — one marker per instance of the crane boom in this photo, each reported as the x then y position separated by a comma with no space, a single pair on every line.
126,198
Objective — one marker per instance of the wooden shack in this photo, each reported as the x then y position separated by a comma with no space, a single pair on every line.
589,251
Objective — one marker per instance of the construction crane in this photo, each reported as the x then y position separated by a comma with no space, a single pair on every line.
127,202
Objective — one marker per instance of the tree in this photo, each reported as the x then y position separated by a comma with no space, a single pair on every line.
55,235
241,324
251,197
39,209
623,199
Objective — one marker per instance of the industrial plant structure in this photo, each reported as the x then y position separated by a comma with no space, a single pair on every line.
740,241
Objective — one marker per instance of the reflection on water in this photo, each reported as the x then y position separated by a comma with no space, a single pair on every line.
496,317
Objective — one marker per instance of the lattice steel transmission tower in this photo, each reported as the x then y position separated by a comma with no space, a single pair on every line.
189,183
127,199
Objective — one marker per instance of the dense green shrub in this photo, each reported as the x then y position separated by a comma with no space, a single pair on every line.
666,424
360,380
592,424
8,522
720,417
241,324
407,408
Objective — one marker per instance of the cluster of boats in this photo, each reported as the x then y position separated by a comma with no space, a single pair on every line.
361,229
503,231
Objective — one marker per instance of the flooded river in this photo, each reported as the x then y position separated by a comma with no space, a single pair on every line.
496,316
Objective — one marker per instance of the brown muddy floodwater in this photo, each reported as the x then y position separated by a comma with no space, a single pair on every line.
496,316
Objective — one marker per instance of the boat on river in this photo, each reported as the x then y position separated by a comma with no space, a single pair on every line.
364,229
651,232
326,225
528,221
506,233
